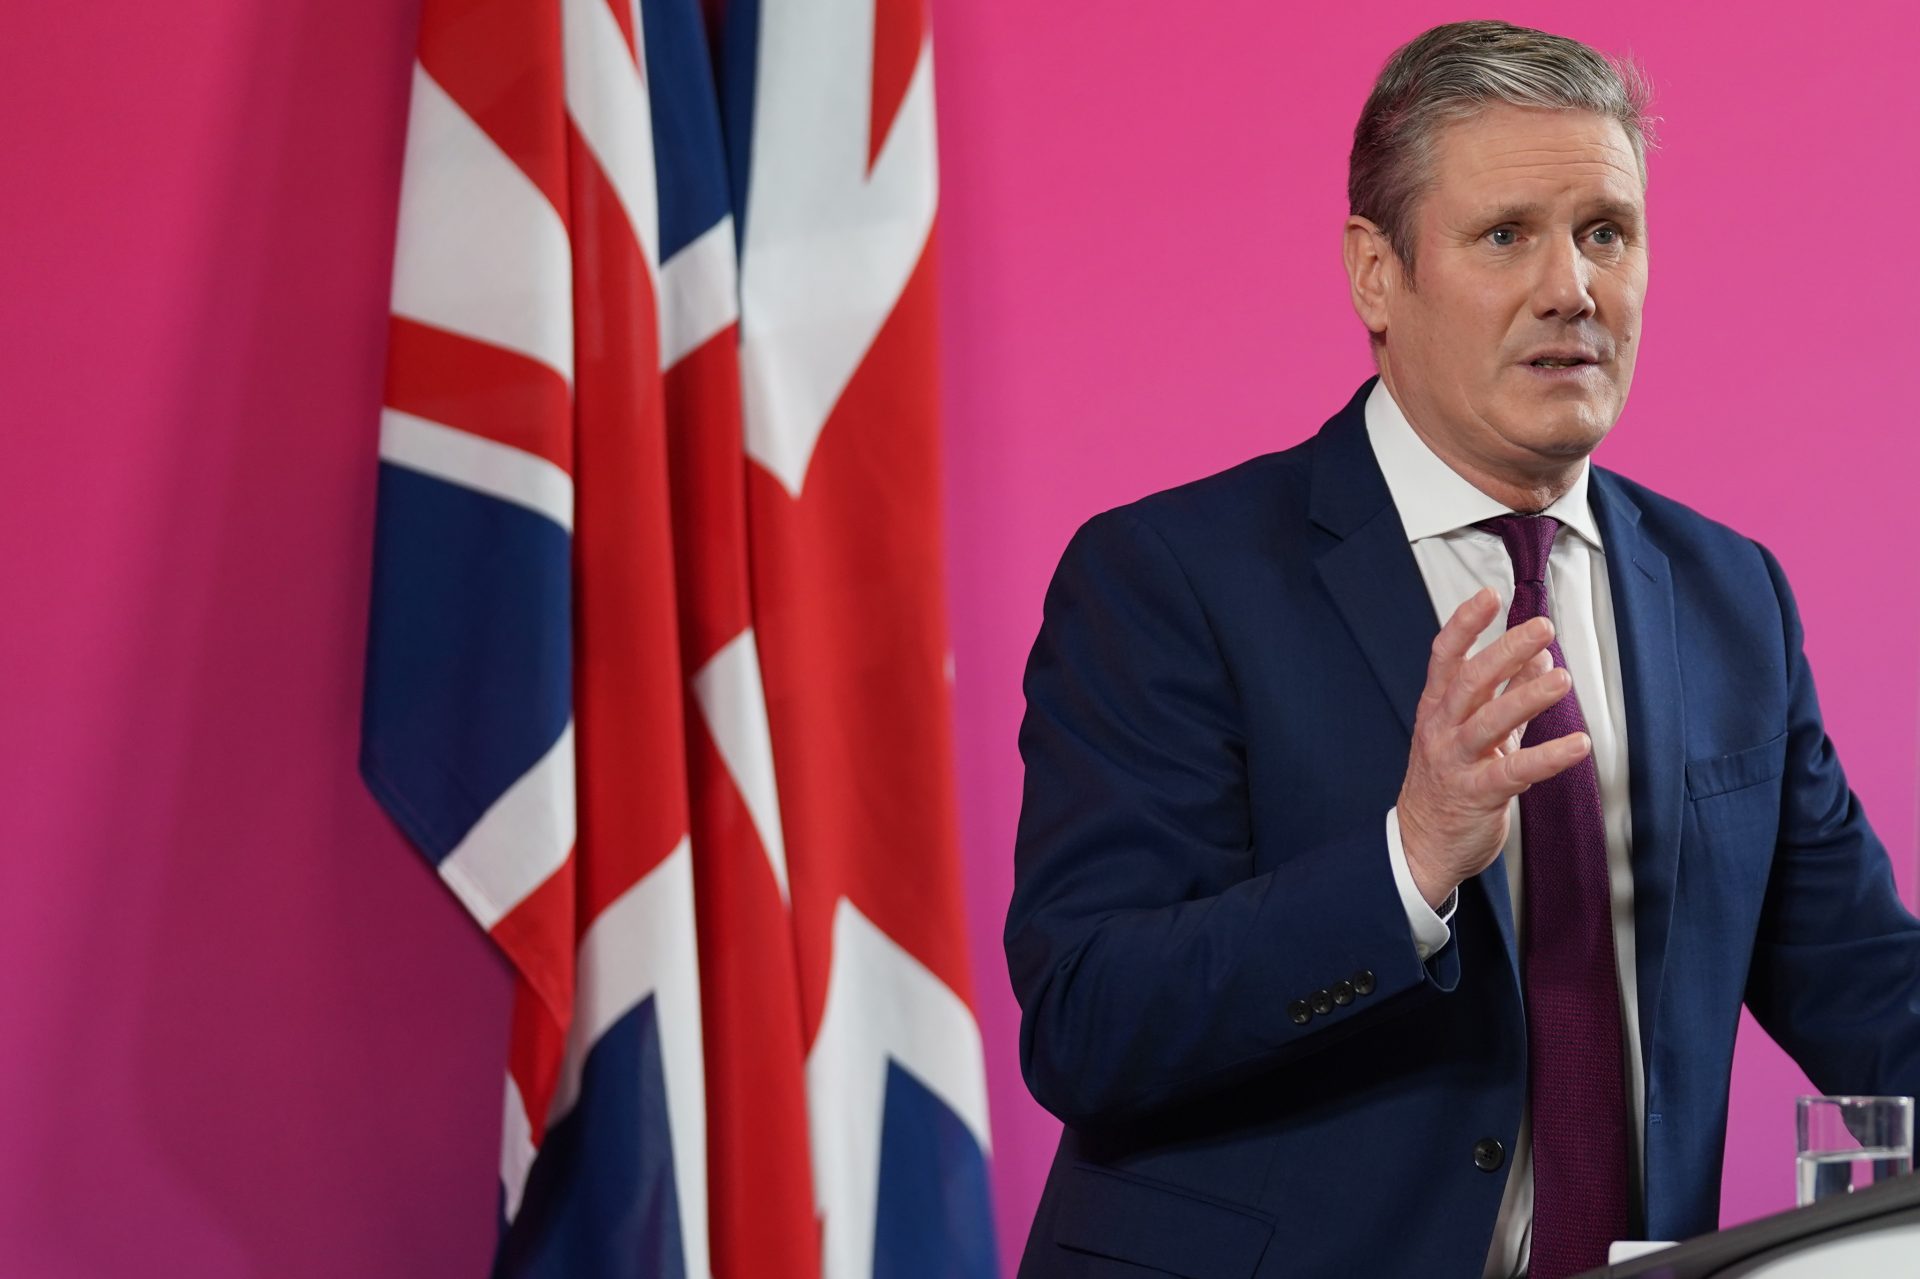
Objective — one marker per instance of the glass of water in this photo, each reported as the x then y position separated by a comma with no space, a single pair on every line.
1849,1142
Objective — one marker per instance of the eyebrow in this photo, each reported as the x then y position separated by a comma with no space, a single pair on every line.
1606,211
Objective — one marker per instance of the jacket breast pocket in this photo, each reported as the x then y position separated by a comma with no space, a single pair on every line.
1740,789
1111,1215
1723,774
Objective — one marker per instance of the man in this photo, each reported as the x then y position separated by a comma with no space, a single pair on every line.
1350,943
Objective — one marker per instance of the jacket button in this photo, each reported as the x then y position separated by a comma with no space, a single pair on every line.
1488,1154
1322,1002
1363,981
1299,1011
1342,993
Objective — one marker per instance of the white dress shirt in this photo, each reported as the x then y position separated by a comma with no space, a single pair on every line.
1438,508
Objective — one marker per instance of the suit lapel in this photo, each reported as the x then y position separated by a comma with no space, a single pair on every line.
1641,586
1367,566
1375,585
1374,582
1377,588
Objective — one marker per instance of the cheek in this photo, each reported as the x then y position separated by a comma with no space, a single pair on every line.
1472,328
1622,304
1497,321
1626,329
1423,329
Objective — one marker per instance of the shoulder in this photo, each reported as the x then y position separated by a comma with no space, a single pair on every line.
1256,511
1259,502
1683,534
1717,570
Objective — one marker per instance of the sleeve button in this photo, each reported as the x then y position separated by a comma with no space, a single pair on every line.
1363,981
1342,993
1299,1012
1321,1001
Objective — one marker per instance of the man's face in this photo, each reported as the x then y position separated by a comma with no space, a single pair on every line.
1530,251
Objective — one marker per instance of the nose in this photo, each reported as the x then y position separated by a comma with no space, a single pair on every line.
1561,289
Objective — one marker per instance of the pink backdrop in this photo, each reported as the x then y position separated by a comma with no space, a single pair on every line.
246,1032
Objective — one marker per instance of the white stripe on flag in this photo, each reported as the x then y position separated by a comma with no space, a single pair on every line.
882,1005
699,293
607,98
518,842
483,465
516,1150
640,945
830,241
733,701
480,251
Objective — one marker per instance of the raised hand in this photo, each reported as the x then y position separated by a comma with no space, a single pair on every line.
1467,762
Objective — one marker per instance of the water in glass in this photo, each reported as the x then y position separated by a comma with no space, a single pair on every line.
1839,1172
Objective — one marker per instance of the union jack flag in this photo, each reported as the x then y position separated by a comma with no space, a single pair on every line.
657,675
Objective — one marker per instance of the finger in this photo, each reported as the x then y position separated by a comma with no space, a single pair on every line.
1510,774
1525,697
1534,667
1537,665
1450,646
1499,662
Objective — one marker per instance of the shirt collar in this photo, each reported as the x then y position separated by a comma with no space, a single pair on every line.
1432,497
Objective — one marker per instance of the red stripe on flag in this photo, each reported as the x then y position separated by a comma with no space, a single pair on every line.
759,1170
536,1045
480,388
853,641
500,60
627,680
899,29
623,15
708,461
538,935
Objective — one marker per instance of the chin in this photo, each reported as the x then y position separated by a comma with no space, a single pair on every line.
1576,435
1567,431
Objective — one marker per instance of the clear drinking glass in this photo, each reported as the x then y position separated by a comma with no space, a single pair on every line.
1849,1142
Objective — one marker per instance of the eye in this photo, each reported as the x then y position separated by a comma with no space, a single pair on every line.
1504,237
1606,236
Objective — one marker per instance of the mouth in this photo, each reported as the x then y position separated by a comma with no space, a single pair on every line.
1562,357
1562,365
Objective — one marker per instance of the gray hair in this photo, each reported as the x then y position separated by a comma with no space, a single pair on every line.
1450,73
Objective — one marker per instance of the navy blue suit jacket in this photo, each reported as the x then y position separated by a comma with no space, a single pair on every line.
1219,707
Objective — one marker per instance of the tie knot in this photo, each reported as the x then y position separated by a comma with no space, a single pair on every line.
1529,540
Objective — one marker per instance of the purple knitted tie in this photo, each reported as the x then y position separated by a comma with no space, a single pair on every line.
1576,1070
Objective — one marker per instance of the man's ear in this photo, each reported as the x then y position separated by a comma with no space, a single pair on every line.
1373,271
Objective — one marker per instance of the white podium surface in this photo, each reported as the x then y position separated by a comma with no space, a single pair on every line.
1873,1233
1893,1253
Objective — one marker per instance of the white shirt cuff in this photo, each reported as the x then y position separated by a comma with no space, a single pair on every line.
1431,929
